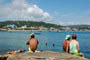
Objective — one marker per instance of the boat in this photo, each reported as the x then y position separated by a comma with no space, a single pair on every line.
37,33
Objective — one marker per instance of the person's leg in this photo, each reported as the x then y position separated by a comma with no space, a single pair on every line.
30,50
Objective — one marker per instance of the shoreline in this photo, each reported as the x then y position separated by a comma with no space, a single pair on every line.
25,51
39,31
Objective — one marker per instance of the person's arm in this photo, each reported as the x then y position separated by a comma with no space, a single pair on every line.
37,42
67,47
78,47
27,42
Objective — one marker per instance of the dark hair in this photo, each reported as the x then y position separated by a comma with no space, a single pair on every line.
74,36
68,38
32,36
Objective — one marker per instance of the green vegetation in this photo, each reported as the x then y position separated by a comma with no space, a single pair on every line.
34,25
29,24
80,26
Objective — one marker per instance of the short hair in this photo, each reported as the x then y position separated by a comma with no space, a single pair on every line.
32,36
74,36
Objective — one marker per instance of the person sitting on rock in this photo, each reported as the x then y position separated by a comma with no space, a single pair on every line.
16,51
66,43
32,43
74,46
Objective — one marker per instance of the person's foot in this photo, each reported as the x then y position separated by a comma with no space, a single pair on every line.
81,55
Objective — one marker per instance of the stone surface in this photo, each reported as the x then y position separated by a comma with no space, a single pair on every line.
45,55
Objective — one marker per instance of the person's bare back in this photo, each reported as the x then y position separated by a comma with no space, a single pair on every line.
33,43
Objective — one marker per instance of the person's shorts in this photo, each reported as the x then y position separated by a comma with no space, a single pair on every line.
75,54
32,51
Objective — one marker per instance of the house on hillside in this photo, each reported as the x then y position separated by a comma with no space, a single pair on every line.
11,26
23,27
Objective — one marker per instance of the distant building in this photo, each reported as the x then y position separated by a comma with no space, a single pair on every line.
67,28
75,29
43,28
11,26
23,27
52,28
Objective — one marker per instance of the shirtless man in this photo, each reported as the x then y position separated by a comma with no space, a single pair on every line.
32,43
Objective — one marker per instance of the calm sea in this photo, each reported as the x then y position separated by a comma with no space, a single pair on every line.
17,40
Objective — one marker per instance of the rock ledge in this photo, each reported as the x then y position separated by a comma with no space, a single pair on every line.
45,55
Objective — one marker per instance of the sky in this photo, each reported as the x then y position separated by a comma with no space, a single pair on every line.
61,12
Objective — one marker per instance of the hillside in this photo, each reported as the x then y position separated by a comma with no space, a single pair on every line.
29,24
80,26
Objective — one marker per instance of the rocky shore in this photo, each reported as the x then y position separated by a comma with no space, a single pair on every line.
44,55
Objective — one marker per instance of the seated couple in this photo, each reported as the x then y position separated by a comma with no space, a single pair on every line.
72,46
